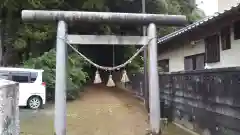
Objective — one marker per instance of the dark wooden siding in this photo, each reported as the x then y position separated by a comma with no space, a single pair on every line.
212,48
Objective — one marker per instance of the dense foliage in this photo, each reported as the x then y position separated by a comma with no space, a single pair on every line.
32,45
76,76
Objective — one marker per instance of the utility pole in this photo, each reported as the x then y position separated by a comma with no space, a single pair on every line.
145,56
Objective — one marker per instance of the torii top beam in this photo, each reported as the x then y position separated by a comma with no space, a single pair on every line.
103,17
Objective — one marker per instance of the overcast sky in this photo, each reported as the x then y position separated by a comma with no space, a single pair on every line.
209,6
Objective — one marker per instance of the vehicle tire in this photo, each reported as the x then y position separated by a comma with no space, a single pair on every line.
34,102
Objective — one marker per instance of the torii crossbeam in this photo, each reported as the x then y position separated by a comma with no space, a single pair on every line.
64,17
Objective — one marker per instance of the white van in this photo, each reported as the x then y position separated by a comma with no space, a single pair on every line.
32,90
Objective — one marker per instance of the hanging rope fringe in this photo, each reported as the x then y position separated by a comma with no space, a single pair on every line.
110,82
97,79
104,67
125,77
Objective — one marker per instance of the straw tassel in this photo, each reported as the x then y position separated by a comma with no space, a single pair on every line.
110,82
97,79
125,78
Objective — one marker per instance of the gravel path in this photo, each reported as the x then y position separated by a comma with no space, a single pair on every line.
100,111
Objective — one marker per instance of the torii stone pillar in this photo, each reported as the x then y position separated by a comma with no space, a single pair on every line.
64,17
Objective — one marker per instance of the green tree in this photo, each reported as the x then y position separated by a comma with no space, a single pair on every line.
32,45
32,40
177,7
76,76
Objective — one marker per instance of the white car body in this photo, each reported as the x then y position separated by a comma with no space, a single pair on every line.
30,83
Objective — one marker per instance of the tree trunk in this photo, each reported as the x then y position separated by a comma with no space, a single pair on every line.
9,27
28,50
1,49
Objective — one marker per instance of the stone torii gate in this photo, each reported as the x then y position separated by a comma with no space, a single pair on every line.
64,17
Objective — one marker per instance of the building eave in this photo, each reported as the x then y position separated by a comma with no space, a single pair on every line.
201,23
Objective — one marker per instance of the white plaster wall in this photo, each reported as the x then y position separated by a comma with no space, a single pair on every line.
228,58
176,56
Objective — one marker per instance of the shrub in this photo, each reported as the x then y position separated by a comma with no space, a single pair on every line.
76,77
